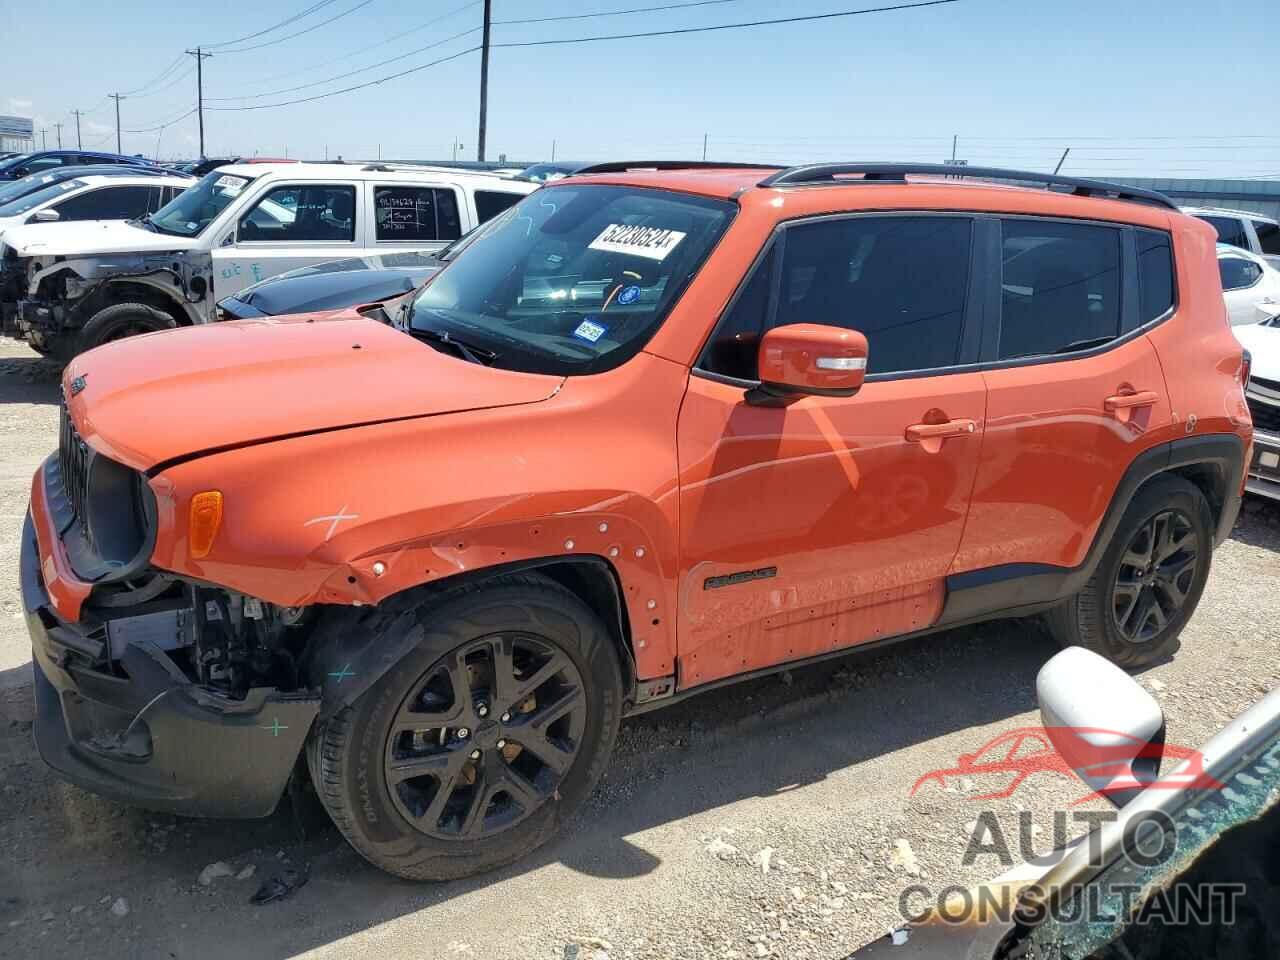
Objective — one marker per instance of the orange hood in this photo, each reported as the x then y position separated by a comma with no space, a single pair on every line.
154,398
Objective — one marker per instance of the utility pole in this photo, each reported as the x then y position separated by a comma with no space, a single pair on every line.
704,146
954,138
44,140
79,145
484,79
1061,160
117,98
200,56
553,151
59,126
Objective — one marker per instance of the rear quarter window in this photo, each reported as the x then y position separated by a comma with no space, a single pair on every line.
1155,273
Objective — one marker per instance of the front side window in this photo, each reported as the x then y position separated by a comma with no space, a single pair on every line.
573,279
1155,273
191,211
1268,236
1238,273
734,347
1059,289
416,213
107,203
298,213
43,163
1230,230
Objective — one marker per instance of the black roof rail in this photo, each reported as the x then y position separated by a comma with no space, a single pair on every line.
622,166
838,173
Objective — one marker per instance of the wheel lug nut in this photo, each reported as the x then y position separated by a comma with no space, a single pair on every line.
501,744
463,733
475,754
506,718
482,710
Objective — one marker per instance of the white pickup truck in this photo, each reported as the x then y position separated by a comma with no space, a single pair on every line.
73,286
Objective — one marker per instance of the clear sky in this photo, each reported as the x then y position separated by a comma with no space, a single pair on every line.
1133,87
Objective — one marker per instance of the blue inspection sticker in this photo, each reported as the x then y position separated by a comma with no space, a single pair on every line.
629,295
590,331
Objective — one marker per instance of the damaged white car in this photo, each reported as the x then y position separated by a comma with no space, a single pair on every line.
73,286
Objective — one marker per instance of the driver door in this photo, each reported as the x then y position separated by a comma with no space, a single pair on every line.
831,522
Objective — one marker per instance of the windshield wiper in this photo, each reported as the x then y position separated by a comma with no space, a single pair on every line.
468,351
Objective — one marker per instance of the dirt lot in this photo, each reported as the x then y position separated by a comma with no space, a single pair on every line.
667,861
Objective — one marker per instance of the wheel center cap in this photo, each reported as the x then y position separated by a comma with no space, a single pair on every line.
486,735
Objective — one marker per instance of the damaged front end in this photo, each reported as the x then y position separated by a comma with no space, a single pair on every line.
48,297
152,689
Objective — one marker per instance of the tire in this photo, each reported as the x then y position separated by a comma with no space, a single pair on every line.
386,794
122,320
1101,616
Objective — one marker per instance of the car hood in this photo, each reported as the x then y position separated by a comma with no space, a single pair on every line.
325,291
86,237
167,396
1263,344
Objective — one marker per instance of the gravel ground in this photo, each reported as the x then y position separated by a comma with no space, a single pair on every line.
808,773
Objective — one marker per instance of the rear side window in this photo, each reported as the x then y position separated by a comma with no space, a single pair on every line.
1238,273
1060,287
1230,230
1268,236
490,203
108,203
1155,273
416,213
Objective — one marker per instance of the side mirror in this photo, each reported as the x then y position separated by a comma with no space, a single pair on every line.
803,359
47,215
1106,727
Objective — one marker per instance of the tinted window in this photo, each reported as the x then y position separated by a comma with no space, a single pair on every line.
301,212
1238,273
899,280
43,163
1155,273
34,199
1268,236
109,203
734,347
416,213
490,203
1060,288
1230,230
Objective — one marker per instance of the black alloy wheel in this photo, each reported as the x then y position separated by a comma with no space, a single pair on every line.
1155,575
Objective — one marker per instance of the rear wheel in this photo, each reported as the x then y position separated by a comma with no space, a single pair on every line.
471,752
1149,580
122,320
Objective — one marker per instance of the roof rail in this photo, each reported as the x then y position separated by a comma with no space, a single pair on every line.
622,166
838,173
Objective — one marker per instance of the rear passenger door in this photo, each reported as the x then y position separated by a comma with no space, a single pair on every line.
833,520
411,216
1074,389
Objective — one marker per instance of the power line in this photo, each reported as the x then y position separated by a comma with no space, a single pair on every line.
359,86
176,80
343,76
615,13
161,126
727,26
290,36
276,26
160,76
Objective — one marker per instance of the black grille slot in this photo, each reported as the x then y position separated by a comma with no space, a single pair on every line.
73,459
1266,416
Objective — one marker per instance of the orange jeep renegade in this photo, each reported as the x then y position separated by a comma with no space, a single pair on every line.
658,427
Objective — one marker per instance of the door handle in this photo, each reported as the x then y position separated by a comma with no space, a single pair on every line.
1128,401
940,431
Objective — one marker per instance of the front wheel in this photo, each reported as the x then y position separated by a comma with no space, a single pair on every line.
122,320
1148,582
472,750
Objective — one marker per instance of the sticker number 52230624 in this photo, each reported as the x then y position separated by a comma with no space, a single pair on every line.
651,242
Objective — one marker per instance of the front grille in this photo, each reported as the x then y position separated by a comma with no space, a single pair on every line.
73,461
1266,416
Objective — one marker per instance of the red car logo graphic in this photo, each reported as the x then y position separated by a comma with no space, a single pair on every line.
1117,761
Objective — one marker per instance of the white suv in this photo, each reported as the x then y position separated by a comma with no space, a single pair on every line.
1240,228
94,197
77,285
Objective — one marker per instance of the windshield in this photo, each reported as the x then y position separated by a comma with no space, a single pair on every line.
11,162
187,214
573,279
543,172
32,200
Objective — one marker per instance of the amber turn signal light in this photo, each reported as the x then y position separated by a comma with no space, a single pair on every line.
205,519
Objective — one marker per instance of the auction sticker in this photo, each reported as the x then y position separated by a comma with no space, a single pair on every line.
654,243
589,331
229,184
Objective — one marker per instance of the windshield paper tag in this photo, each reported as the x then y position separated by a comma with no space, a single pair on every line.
230,184
590,331
653,243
